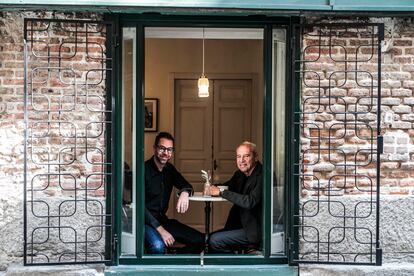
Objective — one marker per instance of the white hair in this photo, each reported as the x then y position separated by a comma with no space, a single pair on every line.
251,145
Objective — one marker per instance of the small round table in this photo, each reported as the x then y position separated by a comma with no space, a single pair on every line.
198,196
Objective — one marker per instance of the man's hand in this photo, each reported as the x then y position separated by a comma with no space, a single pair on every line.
214,190
166,236
182,204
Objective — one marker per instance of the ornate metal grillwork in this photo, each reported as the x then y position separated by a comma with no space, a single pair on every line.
68,115
337,130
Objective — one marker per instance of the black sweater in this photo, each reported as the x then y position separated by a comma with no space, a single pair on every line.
158,188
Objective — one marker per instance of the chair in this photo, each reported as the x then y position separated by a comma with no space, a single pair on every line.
175,248
248,249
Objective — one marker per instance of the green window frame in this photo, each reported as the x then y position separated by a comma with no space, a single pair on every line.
267,24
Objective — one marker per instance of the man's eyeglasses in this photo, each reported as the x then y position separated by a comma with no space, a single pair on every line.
162,149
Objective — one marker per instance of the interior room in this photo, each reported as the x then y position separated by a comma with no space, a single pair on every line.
207,129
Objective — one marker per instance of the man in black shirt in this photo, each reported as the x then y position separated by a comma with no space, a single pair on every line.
244,223
160,177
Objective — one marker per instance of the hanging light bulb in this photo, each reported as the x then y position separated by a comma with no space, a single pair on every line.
203,80
203,87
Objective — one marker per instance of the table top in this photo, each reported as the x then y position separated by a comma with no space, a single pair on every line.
198,196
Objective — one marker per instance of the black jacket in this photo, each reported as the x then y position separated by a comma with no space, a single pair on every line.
158,188
246,193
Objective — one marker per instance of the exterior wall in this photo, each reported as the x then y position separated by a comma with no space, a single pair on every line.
397,189
51,196
397,162
397,176
12,137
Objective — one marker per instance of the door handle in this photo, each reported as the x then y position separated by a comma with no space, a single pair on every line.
215,164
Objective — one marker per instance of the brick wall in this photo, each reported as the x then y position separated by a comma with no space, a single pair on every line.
397,83
397,176
340,92
66,137
397,71
338,141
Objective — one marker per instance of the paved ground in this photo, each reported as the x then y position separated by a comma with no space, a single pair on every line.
389,269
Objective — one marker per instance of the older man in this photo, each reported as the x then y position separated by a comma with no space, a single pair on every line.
160,177
244,223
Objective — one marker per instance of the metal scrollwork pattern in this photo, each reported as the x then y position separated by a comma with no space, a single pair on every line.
68,115
338,128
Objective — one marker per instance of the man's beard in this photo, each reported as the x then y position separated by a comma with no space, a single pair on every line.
161,161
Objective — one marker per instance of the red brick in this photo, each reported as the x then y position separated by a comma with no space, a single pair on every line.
6,73
13,81
403,60
409,51
398,174
99,193
390,165
395,51
407,182
402,42
399,192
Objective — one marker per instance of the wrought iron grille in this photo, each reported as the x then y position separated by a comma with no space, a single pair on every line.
337,131
68,116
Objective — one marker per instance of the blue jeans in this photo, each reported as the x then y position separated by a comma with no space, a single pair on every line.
192,239
153,241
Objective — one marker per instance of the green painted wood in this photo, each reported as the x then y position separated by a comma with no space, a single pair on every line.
118,168
140,140
288,5
267,138
257,270
373,5
243,4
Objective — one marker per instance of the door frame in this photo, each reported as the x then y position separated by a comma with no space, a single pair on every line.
267,24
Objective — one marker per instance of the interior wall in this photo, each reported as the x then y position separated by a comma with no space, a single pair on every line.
164,57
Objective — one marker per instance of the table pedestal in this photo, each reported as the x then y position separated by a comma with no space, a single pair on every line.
207,210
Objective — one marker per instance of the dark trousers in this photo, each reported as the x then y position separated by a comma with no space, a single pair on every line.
225,241
193,240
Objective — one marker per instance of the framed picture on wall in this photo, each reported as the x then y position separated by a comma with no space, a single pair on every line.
151,114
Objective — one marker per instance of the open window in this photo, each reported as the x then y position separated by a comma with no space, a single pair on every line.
207,130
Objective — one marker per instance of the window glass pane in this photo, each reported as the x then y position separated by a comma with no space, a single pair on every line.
279,107
128,133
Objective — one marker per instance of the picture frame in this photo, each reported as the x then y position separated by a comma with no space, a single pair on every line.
151,115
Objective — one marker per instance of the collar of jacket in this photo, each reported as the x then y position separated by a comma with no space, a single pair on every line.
257,169
155,168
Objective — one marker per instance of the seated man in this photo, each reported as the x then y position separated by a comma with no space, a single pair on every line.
160,177
244,223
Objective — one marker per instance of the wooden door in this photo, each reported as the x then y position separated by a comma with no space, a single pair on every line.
232,125
207,131
193,140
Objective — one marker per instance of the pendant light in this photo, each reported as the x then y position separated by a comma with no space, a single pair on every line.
203,80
